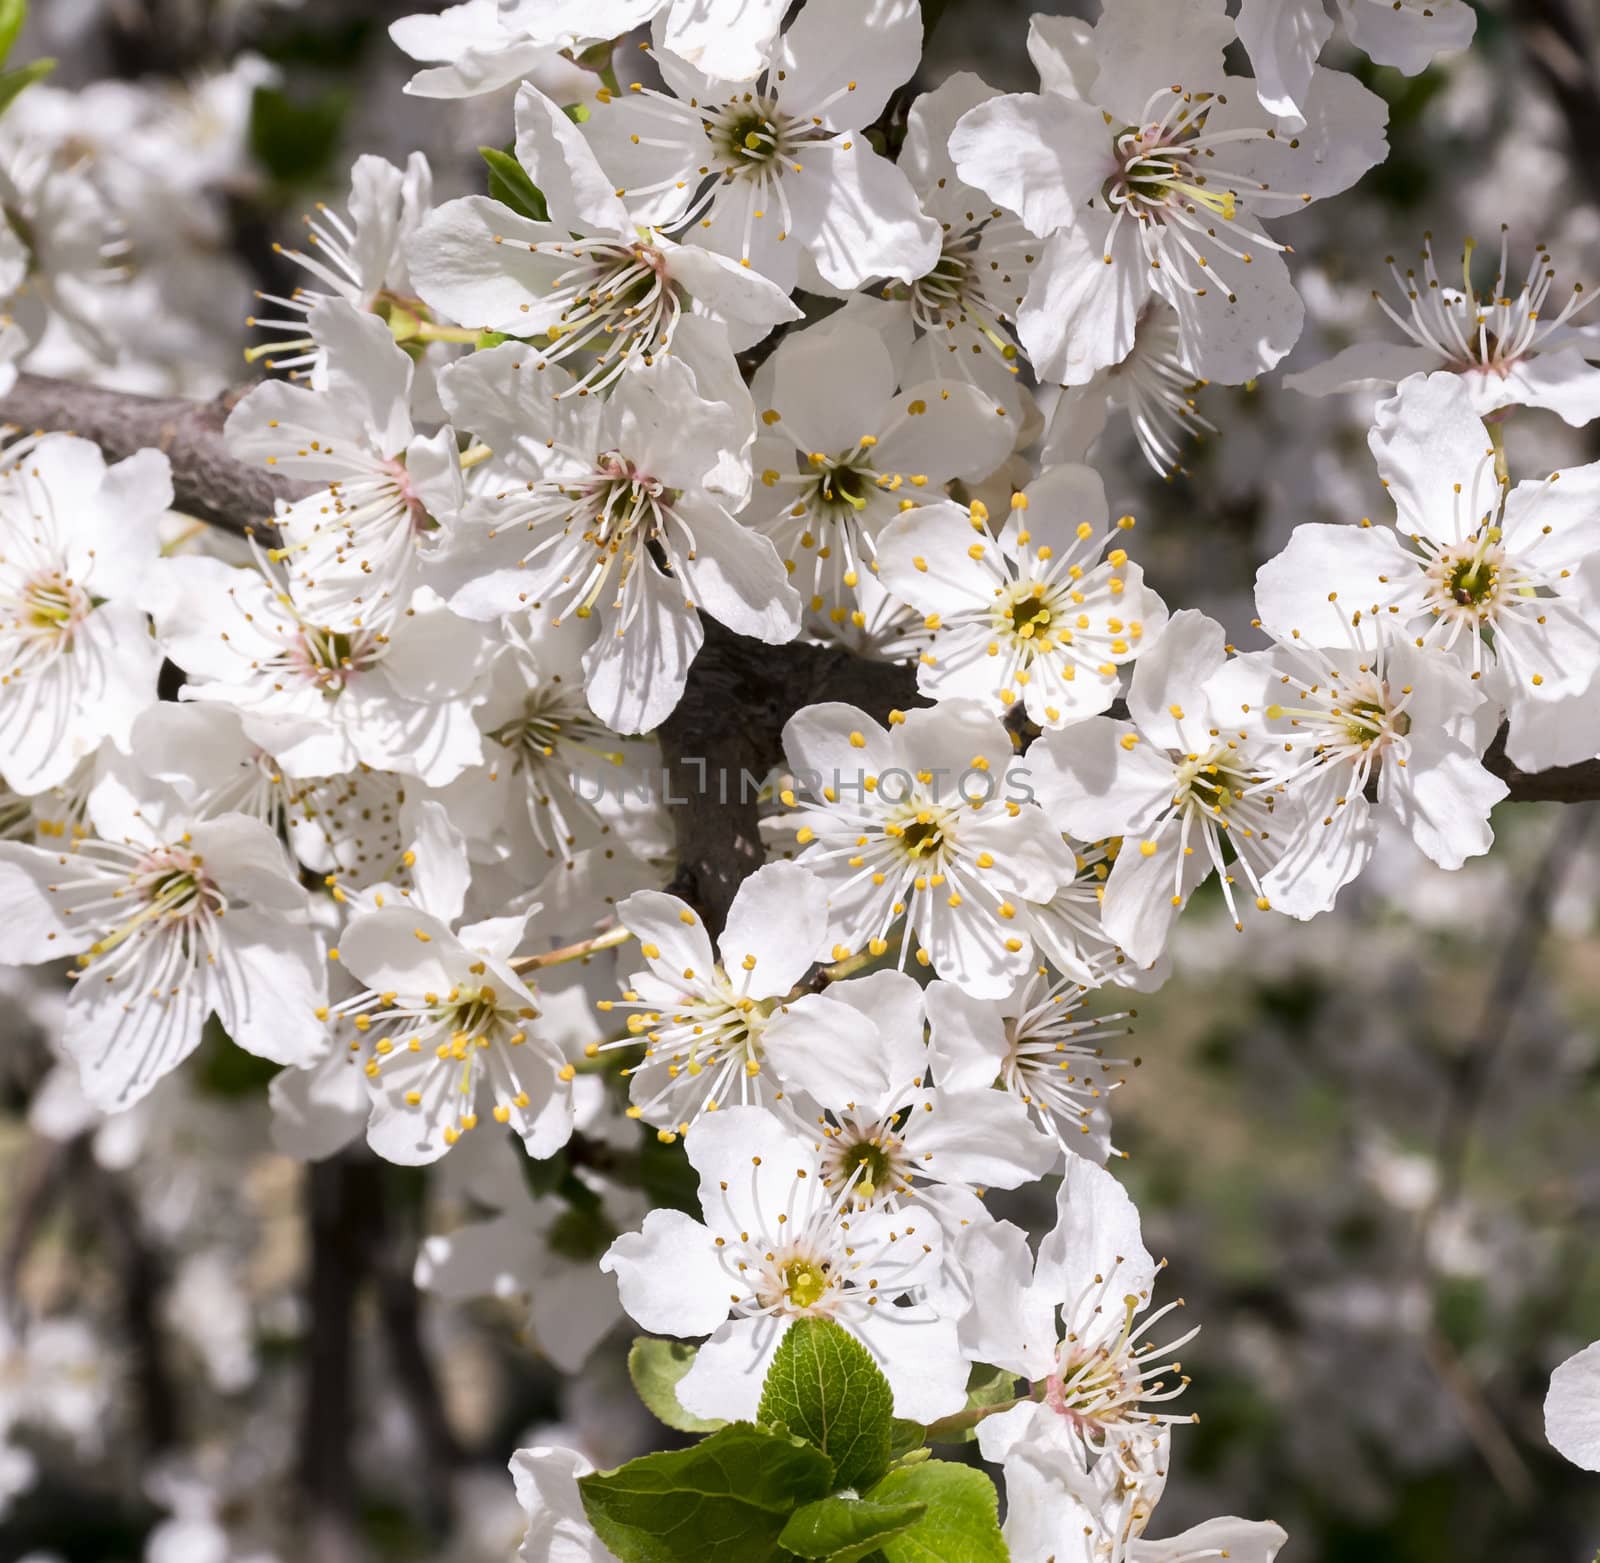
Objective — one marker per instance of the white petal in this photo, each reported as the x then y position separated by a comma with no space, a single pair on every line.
1403,36
668,1275
730,1368
547,1488
1363,365
559,161
1096,1234
1145,46
1283,39
777,926
1572,1409
268,982
1436,457
1080,314
1042,157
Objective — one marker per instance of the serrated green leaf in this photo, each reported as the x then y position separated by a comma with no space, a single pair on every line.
510,185
845,1530
726,1500
655,1366
13,82
962,1524
13,14
904,1437
824,1385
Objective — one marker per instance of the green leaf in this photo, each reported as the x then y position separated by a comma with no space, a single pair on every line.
655,1366
845,1530
962,1524
726,1500
510,185
904,1437
13,82
13,13
295,141
824,1385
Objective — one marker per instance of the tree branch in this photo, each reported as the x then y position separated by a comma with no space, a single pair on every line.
342,1200
725,735
209,483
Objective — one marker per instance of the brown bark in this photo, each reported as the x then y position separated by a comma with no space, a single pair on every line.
209,484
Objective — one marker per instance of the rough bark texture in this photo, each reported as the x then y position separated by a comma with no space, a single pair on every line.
209,484
726,735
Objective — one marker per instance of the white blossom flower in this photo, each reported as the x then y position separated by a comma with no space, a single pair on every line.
776,1246
727,40
1493,574
1033,1046
938,1145
1572,1409
479,46
347,825
547,1488
928,824
395,692
1071,1318
777,173
58,1377
1154,181
358,256
840,454
61,248
1374,712
964,308
1173,781
1510,349
1069,929
542,1248
555,778
76,540
1156,386
723,1031
591,489
356,540
1036,615
1058,1513
445,1021
170,920
604,294
1284,37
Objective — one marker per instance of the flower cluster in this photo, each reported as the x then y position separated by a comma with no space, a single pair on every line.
710,352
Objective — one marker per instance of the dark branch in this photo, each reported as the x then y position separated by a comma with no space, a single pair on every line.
343,1201
726,735
209,484
1560,784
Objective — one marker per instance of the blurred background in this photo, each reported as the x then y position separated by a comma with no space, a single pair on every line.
1367,1148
